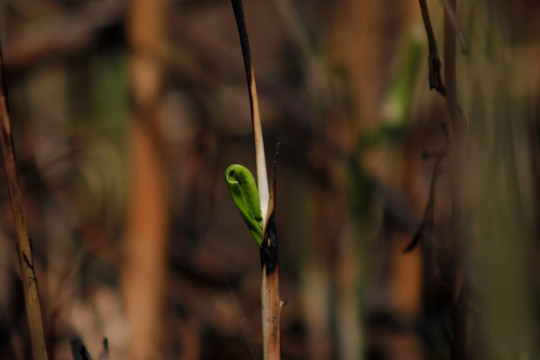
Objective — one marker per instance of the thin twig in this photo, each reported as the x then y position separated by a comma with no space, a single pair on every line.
434,62
262,179
24,247
435,82
426,226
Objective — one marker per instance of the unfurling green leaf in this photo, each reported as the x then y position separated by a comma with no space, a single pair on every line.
245,195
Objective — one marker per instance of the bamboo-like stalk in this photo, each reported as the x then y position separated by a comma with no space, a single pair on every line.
270,301
24,247
146,228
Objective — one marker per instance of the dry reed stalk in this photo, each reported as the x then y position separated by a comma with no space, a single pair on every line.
24,247
146,231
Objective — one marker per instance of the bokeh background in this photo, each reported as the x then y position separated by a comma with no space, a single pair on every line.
127,113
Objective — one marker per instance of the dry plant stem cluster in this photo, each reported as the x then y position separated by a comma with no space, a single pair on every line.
453,132
460,292
24,247
271,303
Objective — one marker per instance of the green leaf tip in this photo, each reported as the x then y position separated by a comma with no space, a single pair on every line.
245,196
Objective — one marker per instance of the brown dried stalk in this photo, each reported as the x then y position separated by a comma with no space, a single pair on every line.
144,269
271,303
24,248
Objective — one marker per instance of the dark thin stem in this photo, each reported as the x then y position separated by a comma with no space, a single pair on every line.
426,226
434,62
435,82
244,39
24,248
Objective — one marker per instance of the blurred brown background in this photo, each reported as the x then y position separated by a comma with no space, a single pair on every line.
127,113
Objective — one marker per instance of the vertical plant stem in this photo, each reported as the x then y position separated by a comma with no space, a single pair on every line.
271,313
271,304
460,292
24,248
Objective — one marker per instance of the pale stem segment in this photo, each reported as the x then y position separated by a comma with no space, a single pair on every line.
262,182
271,312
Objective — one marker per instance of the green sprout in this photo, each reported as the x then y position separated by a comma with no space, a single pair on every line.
245,196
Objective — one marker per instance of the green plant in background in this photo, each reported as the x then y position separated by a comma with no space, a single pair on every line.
244,193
